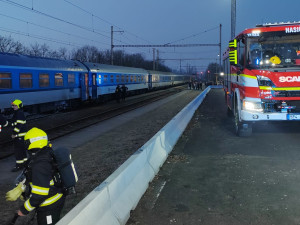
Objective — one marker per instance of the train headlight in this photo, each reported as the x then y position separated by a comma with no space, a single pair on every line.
252,106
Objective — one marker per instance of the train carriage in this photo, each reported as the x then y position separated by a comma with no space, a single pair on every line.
107,77
41,81
45,84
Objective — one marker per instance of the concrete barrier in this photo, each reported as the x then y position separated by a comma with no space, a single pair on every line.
111,202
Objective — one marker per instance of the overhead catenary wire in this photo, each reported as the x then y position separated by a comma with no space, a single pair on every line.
48,28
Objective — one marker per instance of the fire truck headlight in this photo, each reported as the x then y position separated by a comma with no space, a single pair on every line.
252,106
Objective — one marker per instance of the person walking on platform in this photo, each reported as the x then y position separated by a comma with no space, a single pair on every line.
19,130
124,92
40,186
118,93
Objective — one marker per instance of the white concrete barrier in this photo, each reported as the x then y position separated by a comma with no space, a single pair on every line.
111,202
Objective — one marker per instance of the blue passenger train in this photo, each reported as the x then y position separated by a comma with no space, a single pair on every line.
45,84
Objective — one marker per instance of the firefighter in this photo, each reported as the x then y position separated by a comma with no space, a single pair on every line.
124,90
3,121
41,187
19,131
118,93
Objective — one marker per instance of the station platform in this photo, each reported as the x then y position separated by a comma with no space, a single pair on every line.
100,149
178,195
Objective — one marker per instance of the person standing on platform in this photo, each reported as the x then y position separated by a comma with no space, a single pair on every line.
124,92
118,93
19,130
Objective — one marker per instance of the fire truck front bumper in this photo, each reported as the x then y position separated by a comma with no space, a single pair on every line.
260,116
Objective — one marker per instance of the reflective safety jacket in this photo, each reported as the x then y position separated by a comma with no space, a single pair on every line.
19,123
45,191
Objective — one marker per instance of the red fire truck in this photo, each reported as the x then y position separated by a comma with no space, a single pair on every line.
262,75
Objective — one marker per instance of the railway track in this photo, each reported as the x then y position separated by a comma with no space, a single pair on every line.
66,123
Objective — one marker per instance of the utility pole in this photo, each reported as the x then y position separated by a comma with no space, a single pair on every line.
112,44
153,58
233,18
157,59
220,46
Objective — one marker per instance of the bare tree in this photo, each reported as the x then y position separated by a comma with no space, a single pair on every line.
44,50
7,44
35,50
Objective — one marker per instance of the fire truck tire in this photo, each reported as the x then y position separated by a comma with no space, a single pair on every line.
242,129
229,112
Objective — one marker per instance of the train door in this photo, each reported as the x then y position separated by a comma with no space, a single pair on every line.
84,86
149,81
94,86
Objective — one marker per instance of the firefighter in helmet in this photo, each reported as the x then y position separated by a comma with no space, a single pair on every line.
44,194
18,123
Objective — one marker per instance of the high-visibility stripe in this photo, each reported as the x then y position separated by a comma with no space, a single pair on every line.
17,130
21,134
51,200
21,121
279,88
6,124
51,182
39,190
74,171
27,206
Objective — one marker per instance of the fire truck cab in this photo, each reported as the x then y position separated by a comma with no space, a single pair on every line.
262,75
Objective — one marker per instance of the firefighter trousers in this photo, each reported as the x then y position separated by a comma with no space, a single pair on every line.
20,151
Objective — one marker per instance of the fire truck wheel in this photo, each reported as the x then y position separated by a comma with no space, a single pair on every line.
229,112
242,129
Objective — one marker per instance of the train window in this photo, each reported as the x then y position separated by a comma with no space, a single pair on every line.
122,78
134,78
5,80
44,80
127,78
131,78
111,78
105,79
59,80
118,78
25,80
71,79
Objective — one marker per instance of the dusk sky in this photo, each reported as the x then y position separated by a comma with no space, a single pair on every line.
73,24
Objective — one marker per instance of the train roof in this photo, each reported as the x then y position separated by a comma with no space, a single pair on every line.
8,59
154,72
97,67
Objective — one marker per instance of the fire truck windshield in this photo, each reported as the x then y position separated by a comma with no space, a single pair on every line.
273,49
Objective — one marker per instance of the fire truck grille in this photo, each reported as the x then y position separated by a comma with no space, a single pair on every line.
286,93
274,106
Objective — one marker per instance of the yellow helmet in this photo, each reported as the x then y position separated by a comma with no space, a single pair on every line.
36,138
275,59
18,103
